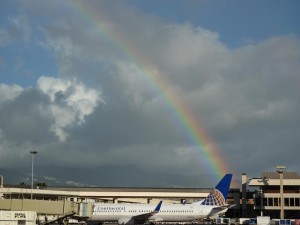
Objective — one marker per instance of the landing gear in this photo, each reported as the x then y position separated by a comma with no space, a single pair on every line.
208,221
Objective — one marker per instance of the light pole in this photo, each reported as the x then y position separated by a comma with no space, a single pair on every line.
32,159
280,170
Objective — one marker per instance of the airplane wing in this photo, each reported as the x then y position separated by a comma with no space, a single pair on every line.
144,217
218,210
224,207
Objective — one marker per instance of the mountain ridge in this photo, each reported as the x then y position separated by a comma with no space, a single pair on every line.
104,176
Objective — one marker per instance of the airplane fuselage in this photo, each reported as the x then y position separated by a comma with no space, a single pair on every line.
167,213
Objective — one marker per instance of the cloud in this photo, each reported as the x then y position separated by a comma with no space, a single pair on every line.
17,27
9,92
30,117
70,102
21,27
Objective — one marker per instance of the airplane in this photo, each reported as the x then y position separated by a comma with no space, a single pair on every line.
131,214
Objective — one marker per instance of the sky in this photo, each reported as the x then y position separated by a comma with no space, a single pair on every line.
182,87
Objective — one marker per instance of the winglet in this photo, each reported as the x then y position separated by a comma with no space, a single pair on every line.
219,195
158,207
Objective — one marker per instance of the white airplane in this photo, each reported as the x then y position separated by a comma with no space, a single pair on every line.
130,214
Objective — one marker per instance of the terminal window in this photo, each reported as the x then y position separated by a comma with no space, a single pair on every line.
286,202
276,202
297,202
292,202
270,201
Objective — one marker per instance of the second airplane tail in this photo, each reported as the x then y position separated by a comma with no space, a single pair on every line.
218,195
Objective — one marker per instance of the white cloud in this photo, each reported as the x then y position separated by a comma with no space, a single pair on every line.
190,46
70,102
64,47
9,92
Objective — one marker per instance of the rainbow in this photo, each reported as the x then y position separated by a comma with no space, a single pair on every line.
183,116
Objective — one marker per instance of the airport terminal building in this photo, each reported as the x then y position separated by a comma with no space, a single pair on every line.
271,188
271,200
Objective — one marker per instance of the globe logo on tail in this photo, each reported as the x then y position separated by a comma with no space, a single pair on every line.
214,198
218,195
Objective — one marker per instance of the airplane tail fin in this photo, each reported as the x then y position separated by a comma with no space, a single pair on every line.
218,195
